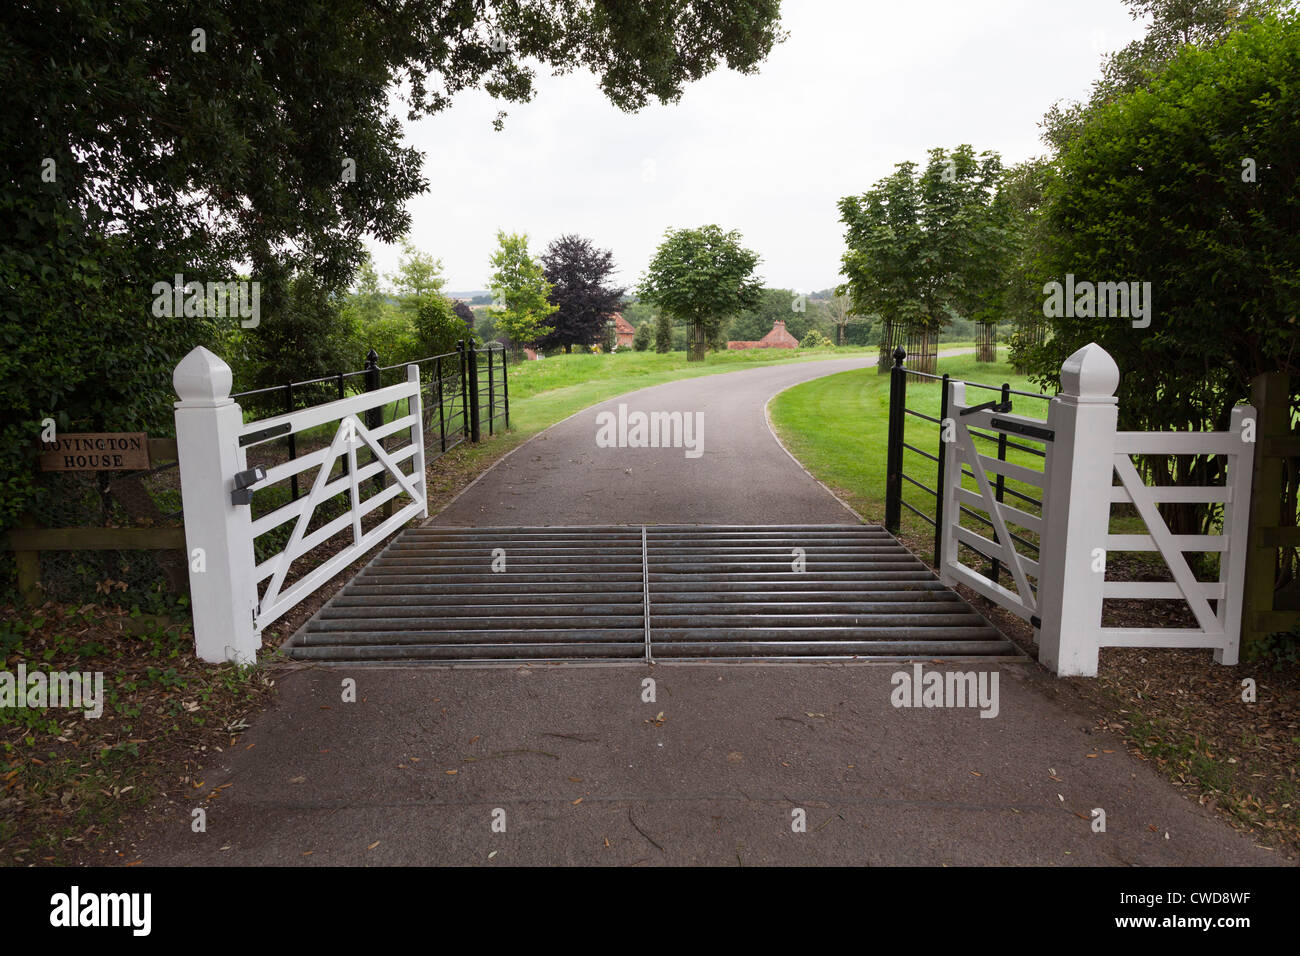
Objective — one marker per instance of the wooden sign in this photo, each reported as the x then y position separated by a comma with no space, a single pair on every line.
107,451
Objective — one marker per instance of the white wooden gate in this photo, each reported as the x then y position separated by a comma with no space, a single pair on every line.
217,486
1218,627
350,434
963,459
1062,592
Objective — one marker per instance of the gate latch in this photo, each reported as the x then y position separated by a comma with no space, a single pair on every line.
1000,407
243,493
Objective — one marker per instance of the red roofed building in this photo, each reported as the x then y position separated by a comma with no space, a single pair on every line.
778,338
623,331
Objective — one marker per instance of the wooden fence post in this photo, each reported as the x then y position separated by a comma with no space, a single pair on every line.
1271,395
29,569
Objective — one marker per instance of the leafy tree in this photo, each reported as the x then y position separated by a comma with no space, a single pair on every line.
703,277
815,340
1022,190
861,331
437,327
637,312
418,279
664,333
393,336
466,315
521,287
486,327
1174,24
1156,188
310,338
644,337
368,299
579,274
840,309
136,145
921,243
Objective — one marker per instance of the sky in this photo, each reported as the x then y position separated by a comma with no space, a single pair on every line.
856,88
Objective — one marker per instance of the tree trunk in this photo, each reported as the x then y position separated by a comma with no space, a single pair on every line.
892,335
568,348
987,348
696,345
922,352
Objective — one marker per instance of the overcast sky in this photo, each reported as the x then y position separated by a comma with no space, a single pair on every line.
858,86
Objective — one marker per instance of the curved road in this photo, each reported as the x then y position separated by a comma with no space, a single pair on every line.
742,475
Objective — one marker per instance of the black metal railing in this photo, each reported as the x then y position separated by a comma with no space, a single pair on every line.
896,471
459,389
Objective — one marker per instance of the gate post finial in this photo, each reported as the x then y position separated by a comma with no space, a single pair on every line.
1076,512
1090,376
202,377
218,532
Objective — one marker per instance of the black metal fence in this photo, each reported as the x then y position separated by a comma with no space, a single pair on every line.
896,466
461,393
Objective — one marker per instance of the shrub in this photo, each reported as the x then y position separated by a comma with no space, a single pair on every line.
644,337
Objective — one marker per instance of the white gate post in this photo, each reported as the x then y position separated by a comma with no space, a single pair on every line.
223,593
1076,512
416,408
952,472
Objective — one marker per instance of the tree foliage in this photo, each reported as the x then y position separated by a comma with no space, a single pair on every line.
1156,188
438,328
663,333
466,315
520,286
921,242
418,278
772,305
310,338
703,277
1173,24
839,308
581,291
1193,185
253,136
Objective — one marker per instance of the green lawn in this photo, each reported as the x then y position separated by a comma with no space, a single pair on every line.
838,427
545,392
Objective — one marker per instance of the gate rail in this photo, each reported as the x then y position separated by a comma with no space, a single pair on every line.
451,380
218,488
896,472
961,456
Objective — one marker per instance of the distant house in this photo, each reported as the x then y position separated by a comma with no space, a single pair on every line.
623,331
778,338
